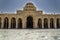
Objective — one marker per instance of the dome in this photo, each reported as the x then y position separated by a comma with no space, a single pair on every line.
29,3
29,7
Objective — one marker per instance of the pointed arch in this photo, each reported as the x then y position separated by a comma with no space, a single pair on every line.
29,22
51,23
19,23
45,23
6,23
58,23
0,22
39,23
13,23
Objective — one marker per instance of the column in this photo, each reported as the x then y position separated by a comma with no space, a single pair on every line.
9,23
42,23
16,23
35,24
2,23
23,23
49,23
55,23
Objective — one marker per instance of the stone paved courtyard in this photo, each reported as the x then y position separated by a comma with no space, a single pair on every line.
29,34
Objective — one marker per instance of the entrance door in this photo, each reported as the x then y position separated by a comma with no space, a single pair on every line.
29,22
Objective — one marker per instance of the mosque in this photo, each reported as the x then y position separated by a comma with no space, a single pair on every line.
29,18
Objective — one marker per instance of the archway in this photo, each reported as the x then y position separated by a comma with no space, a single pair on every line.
13,23
6,23
58,23
39,23
45,23
0,23
29,22
19,23
51,23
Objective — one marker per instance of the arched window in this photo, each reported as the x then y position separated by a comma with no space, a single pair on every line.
0,23
51,23
45,23
39,23
6,23
13,23
58,23
19,23
29,22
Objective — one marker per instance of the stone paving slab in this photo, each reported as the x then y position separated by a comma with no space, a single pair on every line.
29,34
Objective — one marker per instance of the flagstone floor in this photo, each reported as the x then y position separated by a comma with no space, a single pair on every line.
29,34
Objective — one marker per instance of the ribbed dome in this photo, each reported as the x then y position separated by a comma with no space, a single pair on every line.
29,4
29,7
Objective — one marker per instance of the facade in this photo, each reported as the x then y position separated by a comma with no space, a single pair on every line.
29,17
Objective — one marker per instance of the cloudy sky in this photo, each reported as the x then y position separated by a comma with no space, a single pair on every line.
45,5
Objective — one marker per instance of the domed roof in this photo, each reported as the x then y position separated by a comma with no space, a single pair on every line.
29,7
29,3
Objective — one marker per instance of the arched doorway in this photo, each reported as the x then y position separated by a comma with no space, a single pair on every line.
51,23
13,23
19,23
6,23
29,22
58,23
45,23
39,23
0,23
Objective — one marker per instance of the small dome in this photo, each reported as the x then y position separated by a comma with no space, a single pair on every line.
29,3
29,7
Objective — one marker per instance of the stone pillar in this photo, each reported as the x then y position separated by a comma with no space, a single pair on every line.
42,23
2,23
48,23
16,23
35,24
55,23
9,23
23,23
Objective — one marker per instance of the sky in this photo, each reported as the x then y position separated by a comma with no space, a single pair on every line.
49,6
